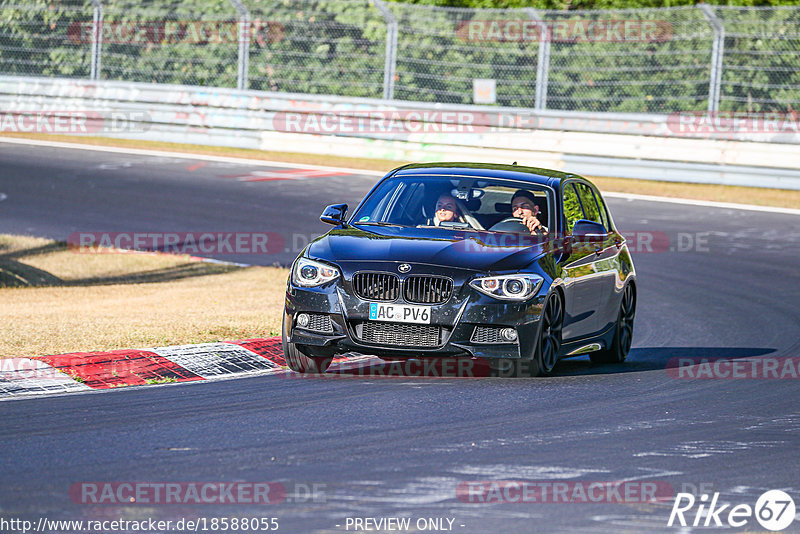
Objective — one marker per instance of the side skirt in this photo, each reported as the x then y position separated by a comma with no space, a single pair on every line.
581,347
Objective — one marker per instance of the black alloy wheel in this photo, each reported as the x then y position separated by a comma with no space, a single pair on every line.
623,334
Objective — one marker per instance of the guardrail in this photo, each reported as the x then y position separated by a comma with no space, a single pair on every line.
682,147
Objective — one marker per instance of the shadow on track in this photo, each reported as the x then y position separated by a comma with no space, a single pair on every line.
641,359
655,358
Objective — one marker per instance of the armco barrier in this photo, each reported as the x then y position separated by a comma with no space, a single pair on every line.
623,145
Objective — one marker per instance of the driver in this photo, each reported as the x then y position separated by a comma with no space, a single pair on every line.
523,206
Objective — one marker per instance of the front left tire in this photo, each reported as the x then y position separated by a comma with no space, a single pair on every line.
623,331
548,342
546,349
297,359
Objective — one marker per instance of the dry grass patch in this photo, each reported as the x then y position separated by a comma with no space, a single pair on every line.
70,266
112,301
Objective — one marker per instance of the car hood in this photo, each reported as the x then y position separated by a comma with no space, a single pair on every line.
477,251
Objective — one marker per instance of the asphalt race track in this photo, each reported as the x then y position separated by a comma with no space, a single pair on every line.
720,284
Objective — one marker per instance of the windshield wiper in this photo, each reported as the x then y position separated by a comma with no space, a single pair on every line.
378,223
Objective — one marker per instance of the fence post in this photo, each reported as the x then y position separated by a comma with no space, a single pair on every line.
542,62
717,53
97,40
244,44
390,63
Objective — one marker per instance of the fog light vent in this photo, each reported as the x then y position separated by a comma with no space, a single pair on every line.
493,334
316,322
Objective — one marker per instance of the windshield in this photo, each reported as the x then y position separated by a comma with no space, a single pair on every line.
463,203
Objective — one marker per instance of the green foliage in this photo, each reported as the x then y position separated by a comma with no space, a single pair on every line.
762,49
593,4
189,42
319,46
338,47
572,208
34,38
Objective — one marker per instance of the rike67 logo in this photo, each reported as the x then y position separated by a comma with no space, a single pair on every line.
774,510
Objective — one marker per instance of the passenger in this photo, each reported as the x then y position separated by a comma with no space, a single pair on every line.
446,211
524,206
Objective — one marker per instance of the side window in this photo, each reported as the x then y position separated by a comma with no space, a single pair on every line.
590,209
603,211
572,207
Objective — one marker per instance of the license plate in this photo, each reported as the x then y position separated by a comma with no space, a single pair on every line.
399,313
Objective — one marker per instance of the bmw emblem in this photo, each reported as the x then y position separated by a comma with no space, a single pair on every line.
404,267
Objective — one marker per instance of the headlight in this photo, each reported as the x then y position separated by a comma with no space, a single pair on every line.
508,286
310,273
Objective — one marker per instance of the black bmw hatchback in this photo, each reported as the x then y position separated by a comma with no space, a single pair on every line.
519,265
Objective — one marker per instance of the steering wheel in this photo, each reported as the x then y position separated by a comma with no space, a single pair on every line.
514,225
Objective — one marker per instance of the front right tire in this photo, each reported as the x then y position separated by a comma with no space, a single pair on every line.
297,359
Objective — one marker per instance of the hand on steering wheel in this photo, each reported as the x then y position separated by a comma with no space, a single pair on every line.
533,224
528,223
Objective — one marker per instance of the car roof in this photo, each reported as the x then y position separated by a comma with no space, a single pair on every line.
533,175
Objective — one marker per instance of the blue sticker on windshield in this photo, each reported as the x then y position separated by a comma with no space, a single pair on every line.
363,219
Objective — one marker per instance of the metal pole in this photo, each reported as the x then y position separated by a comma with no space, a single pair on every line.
717,53
390,63
244,44
542,62
97,40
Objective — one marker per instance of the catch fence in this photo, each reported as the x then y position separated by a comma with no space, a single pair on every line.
692,58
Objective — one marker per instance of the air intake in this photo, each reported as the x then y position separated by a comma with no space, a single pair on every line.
404,335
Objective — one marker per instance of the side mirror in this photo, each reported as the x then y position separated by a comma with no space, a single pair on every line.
589,231
334,214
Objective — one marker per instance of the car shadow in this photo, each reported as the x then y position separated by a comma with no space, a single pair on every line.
639,359
655,358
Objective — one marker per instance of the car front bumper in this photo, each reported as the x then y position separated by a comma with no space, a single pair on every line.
457,320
